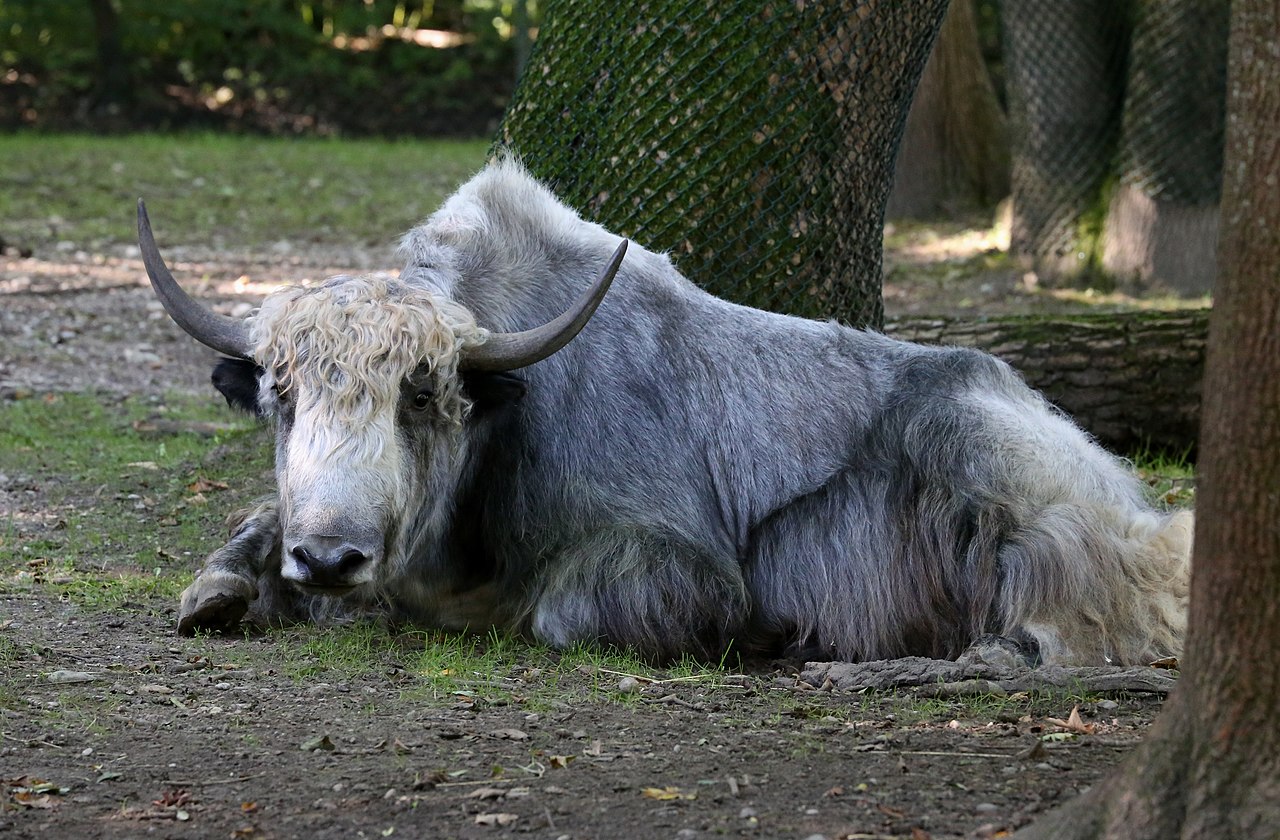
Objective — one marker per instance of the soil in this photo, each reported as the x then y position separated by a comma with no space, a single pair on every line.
152,734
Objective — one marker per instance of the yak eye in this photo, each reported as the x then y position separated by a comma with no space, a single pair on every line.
422,399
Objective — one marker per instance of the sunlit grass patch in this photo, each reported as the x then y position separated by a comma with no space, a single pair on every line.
120,590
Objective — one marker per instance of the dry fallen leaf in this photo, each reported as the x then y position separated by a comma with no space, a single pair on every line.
487,793
1073,723
510,734
173,797
560,761
496,819
321,742
204,485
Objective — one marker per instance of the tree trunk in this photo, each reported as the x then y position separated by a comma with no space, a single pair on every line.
1132,380
1162,227
753,141
1065,69
113,87
1210,767
955,149
1154,244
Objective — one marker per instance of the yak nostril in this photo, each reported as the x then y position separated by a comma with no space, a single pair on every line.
306,560
350,561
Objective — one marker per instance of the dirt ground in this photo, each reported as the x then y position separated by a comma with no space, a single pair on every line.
119,728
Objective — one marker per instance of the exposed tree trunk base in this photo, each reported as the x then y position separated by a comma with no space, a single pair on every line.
1173,785
1153,244
1131,379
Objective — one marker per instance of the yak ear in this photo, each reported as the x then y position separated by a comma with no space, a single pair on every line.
493,390
237,380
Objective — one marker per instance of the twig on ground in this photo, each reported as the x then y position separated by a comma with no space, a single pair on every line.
180,783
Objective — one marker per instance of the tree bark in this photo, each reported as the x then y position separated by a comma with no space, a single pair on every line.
1210,767
1162,225
955,148
1065,64
1155,244
753,141
1132,380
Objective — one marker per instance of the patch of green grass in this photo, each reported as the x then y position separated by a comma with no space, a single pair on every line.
118,590
224,190
131,491
491,668
910,709
1170,477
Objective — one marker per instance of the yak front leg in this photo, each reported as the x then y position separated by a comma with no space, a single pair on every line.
227,584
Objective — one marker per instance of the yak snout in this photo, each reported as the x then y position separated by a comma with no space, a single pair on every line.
331,562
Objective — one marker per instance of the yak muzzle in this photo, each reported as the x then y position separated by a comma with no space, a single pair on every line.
329,563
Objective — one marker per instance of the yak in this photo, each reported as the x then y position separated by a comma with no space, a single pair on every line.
488,439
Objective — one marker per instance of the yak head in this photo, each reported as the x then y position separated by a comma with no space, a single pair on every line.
374,385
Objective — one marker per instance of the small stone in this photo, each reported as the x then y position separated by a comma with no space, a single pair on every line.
629,685
1108,705
985,808
222,686
747,813
66,677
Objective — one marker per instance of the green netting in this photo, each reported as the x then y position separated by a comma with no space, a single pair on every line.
1175,105
1104,92
753,140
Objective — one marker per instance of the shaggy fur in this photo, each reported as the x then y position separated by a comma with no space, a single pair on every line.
688,474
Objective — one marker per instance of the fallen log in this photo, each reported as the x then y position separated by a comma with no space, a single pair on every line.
1132,379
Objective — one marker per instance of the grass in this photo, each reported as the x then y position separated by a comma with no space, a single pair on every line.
126,487
490,668
1170,477
223,190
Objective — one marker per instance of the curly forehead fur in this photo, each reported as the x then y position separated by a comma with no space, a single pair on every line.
349,343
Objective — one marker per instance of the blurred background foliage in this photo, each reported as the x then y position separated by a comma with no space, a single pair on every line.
352,67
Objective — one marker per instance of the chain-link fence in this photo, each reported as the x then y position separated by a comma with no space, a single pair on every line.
752,140
1108,97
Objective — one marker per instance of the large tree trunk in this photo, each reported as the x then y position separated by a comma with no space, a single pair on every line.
955,149
1065,68
1131,379
1162,226
753,141
1210,767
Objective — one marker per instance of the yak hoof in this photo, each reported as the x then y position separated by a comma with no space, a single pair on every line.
215,601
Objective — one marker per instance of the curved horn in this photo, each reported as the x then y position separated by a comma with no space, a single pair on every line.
226,335
508,351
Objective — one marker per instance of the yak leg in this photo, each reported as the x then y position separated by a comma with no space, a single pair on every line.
659,596
228,582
